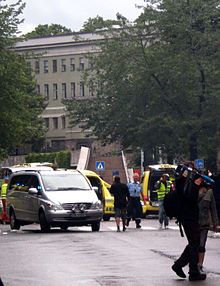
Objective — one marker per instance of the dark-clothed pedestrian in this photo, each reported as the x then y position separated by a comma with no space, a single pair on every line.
134,209
187,186
207,217
163,187
121,198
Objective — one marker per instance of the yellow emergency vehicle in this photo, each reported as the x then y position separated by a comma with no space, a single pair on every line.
102,190
148,180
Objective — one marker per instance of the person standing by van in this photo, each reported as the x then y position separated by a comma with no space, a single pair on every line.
121,198
3,198
134,209
162,188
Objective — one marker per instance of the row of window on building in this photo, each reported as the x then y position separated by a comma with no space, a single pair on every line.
66,91
56,65
55,122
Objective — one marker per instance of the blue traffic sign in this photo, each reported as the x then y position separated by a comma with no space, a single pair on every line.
199,164
100,166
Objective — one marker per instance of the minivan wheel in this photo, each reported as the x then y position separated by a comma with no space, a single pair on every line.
95,226
44,225
14,223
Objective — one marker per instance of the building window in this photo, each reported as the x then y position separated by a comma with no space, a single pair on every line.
55,91
72,64
46,122
63,65
63,122
38,89
73,89
91,89
81,64
63,90
46,66
55,122
54,65
82,89
37,67
46,91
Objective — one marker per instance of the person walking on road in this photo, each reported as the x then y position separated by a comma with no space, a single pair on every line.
187,185
207,217
121,198
162,187
134,209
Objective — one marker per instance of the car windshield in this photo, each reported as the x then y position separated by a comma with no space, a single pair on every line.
65,182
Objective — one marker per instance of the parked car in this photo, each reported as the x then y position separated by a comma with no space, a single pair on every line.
52,199
102,190
148,180
5,172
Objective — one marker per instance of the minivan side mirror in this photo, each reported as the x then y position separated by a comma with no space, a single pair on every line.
33,191
95,188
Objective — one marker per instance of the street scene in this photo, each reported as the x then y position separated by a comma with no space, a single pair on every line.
108,258
109,143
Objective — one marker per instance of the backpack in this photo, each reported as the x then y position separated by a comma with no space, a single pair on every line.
171,204
172,207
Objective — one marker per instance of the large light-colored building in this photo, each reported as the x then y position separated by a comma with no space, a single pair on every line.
57,64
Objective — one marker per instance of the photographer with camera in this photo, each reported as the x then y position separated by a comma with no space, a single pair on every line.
188,182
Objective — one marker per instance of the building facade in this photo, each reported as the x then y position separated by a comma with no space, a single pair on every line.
57,64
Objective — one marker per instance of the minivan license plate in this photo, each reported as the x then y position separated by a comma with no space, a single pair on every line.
78,214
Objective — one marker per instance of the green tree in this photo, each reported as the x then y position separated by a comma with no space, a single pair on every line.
97,23
19,105
48,30
158,82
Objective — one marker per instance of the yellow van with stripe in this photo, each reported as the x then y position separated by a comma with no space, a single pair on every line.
152,174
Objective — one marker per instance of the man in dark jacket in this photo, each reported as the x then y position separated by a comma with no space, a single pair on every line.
121,198
187,185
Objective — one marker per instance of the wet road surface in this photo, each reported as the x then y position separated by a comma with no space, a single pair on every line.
81,257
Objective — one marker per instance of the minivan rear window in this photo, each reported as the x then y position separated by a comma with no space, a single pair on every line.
64,182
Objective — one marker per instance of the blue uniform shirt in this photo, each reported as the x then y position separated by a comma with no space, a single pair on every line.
134,189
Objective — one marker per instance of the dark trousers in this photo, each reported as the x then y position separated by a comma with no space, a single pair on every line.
134,209
190,253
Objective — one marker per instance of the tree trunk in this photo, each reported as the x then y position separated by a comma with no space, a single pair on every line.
193,152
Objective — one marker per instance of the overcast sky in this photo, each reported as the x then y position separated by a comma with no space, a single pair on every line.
73,13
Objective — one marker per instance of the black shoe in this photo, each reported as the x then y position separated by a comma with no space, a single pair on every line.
178,271
138,226
196,277
127,222
124,228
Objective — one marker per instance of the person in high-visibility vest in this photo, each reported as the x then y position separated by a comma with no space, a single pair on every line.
162,188
3,198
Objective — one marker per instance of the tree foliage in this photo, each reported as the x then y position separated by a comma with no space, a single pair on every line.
19,105
48,30
97,23
158,82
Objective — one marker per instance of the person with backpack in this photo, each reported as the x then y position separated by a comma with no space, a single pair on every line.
163,187
187,185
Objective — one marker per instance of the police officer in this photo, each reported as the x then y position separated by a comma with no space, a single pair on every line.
162,188
134,209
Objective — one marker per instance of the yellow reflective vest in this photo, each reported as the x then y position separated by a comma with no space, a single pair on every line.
4,191
163,190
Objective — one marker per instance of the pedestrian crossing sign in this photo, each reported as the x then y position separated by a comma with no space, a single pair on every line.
100,165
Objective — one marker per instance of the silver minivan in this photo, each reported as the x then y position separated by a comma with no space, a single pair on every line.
53,199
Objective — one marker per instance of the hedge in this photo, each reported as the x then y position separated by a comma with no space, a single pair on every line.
60,159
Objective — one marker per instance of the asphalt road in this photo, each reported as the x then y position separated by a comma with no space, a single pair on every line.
80,257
